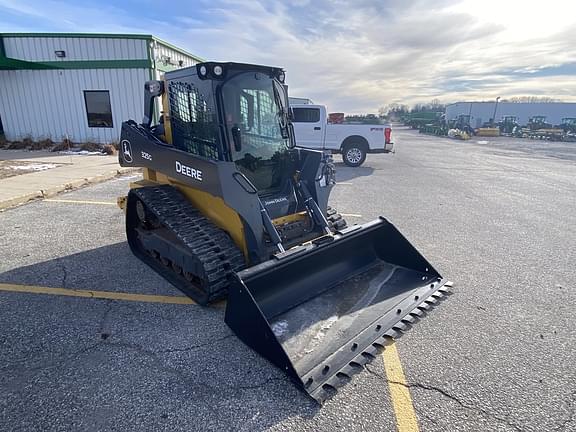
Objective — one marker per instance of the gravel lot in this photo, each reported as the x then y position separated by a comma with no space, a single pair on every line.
496,216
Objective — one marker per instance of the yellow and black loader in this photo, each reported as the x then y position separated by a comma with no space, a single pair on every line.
230,207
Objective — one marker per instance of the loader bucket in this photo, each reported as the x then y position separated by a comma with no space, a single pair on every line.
321,311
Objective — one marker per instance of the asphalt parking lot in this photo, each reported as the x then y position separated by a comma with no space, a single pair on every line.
495,216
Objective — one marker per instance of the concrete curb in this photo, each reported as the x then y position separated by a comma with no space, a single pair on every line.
72,185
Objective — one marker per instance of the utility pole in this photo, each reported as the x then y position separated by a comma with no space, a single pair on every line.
495,108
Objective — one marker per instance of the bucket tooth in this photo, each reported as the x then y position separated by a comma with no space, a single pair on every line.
409,319
387,340
417,313
400,326
393,333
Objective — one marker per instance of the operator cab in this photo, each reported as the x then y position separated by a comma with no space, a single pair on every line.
237,113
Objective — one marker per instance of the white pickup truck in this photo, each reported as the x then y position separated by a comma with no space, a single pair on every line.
353,141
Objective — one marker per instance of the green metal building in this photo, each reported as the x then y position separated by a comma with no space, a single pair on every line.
78,86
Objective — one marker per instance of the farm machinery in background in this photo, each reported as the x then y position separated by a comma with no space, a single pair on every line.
539,128
460,128
435,123
538,123
509,126
457,128
429,122
568,126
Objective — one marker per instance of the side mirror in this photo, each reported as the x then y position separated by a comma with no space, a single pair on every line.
237,138
152,89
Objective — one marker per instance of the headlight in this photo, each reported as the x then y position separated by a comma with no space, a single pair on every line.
218,70
155,88
203,70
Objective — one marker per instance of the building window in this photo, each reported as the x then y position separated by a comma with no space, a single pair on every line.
98,108
306,115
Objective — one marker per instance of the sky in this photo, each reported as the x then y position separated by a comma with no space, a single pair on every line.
354,56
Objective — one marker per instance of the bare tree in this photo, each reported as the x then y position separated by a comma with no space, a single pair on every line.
531,99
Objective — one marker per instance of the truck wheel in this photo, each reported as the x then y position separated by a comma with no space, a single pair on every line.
353,155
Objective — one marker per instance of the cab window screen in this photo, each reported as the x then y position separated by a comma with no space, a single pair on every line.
194,127
98,108
306,115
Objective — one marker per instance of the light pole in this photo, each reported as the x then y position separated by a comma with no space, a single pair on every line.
495,108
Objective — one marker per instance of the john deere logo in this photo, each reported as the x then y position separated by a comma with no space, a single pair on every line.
126,151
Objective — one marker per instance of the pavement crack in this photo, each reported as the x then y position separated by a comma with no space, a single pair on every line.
156,353
64,274
444,393
258,385
190,348
156,357
103,321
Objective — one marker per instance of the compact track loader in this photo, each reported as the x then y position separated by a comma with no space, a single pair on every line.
230,207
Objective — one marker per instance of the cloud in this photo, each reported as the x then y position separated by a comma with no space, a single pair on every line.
352,56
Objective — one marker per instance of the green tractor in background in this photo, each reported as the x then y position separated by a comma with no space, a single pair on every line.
509,126
538,122
422,118
462,123
568,125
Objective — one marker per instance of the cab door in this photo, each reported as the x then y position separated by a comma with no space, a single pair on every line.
309,127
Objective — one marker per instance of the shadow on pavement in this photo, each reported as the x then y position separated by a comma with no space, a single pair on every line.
175,366
345,173
107,268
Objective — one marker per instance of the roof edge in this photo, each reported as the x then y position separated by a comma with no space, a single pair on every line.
106,36
177,49
82,35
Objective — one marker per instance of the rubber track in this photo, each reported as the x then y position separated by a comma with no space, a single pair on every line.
215,251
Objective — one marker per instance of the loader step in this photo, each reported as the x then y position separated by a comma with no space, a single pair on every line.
166,232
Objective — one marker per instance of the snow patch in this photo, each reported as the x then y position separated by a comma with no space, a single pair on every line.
81,152
280,328
128,177
33,167
325,326
482,142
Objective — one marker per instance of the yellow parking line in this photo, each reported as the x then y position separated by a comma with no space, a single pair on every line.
351,215
406,419
110,295
344,183
81,202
